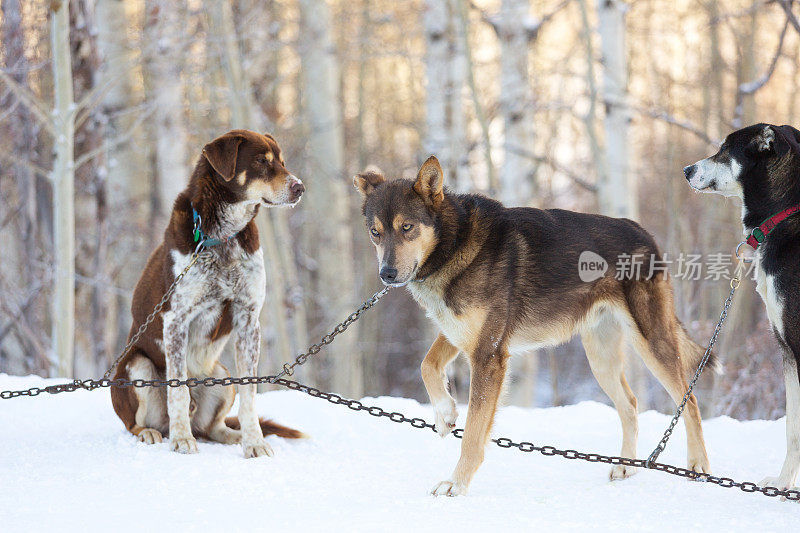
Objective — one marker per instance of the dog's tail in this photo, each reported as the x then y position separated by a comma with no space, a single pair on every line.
692,353
268,427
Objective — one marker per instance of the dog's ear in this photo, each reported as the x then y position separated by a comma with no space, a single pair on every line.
764,141
430,182
367,181
221,154
788,140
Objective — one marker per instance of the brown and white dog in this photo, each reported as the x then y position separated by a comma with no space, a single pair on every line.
499,281
221,295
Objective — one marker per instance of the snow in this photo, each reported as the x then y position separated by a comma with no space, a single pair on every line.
67,463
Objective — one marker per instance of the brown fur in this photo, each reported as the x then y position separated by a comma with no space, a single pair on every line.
261,179
498,280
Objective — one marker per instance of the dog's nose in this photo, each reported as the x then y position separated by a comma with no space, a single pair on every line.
297,188
688,172
388,275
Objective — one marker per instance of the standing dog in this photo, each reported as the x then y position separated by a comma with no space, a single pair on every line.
499,281
220,295
760,165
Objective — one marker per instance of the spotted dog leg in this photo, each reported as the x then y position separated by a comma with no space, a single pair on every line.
176,337
248,342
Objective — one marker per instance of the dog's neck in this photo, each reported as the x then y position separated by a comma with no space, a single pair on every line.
761,201
454,232
222,214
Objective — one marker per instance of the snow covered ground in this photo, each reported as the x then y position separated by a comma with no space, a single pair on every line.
67,463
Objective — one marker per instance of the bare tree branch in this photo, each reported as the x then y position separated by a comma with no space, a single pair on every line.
119,139
29,101
536,26
532,26
751,87
580,181
5,156
790,16
669,119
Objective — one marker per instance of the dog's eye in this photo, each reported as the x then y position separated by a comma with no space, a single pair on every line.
375,233
407,227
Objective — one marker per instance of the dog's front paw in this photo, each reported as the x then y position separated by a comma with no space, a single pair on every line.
257,449
184,444
449,488
700,466
150,436
622,472
778,483
446,415
773,482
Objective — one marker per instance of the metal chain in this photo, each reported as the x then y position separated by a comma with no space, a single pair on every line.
420,423
662,445
288,369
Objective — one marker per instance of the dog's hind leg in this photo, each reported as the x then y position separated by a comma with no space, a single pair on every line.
433,375
603,345
212,404
151,421
655,335
791,464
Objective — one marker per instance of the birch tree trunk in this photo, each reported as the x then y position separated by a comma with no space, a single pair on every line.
331,244
117,73
64,191
437,44
274,237
168,124
617,193
517,174
458,126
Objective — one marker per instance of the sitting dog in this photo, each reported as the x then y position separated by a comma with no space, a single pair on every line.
499,281
760,165
220,295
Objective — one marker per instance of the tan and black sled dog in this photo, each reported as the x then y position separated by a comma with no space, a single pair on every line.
219,297
498,281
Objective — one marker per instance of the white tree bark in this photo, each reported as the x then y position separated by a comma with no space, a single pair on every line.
64,190
458,164
517,174
617,192
168,121
331,243
437,55
126,158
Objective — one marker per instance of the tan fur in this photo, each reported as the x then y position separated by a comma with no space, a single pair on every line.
499,281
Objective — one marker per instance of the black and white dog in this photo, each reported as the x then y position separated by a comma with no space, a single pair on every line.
761,165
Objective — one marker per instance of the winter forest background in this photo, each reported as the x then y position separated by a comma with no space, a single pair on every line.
592,105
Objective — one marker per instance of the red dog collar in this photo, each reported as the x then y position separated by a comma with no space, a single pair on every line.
760,233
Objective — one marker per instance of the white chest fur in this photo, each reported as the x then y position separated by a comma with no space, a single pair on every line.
765,286
202,294
459,330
